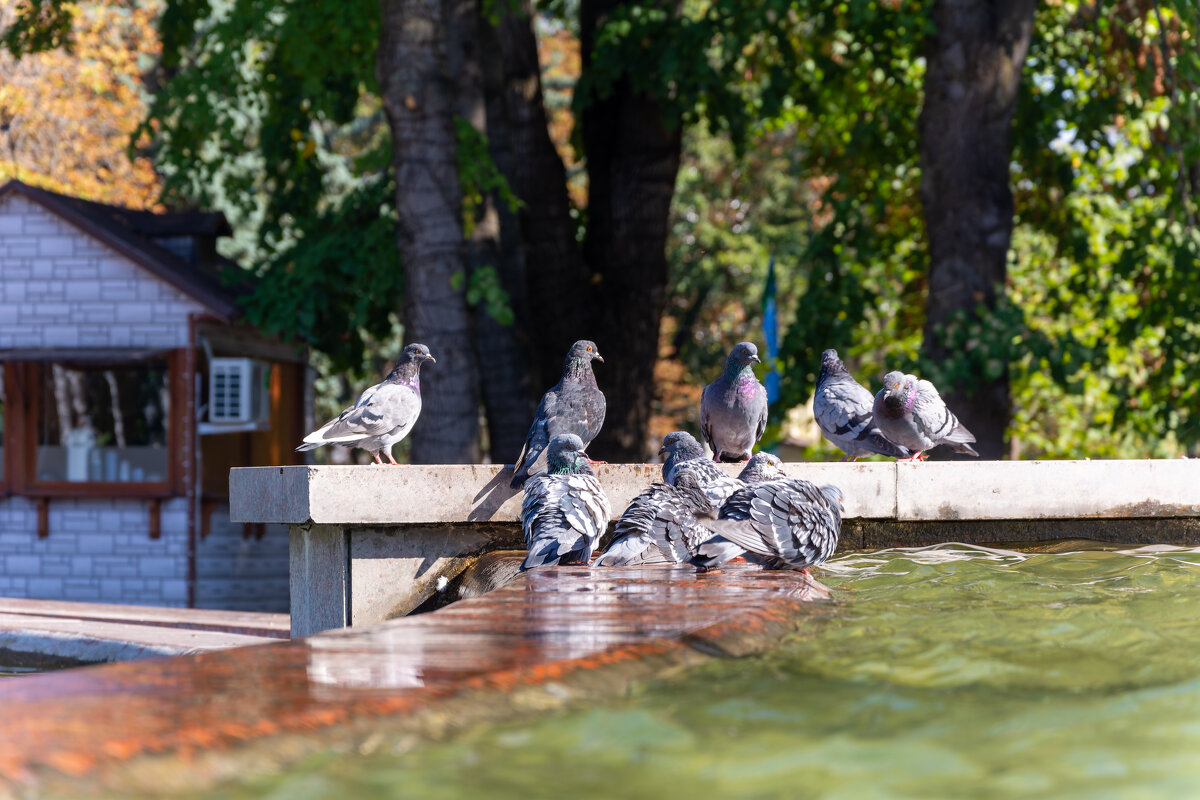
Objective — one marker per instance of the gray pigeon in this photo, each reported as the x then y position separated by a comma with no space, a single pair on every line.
790,522
733,408
842,407
664,524
762,466
564,511
575,405
911,413
684,454
383,414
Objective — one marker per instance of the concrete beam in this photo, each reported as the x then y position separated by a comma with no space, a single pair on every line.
425,495
948,490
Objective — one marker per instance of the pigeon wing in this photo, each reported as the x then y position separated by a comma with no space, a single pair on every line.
938,422
386,408
788,519
706,415
537,439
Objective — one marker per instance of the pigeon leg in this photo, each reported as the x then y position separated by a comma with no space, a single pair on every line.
378,460
392,461
592,463
915,457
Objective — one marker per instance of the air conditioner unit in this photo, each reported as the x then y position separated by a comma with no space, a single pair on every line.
238,391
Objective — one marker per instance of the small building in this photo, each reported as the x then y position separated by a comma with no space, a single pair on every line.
128,389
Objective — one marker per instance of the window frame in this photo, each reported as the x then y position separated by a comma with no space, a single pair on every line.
20,451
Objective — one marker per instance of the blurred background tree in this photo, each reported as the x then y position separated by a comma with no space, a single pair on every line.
803,129
66,116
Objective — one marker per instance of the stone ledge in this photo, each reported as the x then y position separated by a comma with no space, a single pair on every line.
438,494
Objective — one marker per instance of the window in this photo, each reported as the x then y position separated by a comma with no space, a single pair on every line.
103,423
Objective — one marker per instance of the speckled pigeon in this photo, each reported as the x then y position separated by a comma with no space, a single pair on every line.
842,407
763,466
733,408
383,414
575,405
664,524
564,511
911,413
684,454
790,522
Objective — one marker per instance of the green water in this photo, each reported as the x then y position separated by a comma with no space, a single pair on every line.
945,672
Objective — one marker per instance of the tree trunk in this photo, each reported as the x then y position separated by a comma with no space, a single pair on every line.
417,91
494,242
973,72
555,282
633,153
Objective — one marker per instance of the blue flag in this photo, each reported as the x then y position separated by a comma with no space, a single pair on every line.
770,322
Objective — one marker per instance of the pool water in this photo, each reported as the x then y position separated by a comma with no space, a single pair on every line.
952,671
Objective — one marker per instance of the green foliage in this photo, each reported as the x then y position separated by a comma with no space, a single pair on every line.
802,143
281,129
1099,328
40,25
326,290
478,175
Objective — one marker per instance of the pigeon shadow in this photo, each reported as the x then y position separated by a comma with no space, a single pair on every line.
492,496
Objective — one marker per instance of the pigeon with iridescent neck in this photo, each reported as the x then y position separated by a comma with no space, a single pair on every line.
574,405
842,407
383,414
733,408
911,413
564,511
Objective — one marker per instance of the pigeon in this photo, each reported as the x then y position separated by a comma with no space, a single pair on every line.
842,407
911,413
564,511
761,467
383,414
733,408
664,524
685,454
790,522
575,405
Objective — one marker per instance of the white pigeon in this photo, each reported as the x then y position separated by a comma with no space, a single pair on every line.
383,415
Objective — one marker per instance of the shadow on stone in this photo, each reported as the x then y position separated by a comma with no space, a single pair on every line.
492,496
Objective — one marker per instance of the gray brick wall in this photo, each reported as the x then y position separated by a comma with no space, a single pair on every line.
242,574
62,288
98,550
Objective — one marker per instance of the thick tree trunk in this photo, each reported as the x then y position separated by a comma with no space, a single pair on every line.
494,243
555,283
417,91
633,153
972,75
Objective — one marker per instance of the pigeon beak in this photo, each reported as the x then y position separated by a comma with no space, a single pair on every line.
756,359
598,358
662,449
431,358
